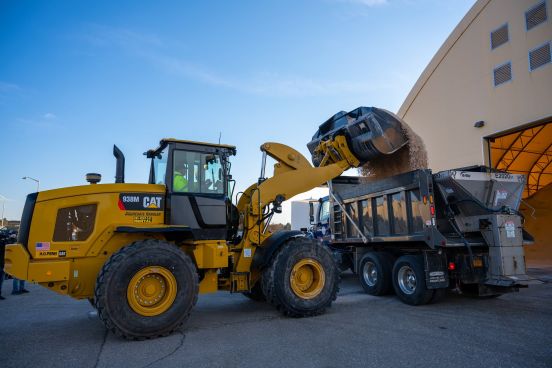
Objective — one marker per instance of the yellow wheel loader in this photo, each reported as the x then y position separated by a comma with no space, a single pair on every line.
141,253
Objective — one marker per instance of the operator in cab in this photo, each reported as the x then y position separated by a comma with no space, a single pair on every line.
180,183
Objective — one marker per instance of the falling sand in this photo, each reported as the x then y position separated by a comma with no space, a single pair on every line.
413,156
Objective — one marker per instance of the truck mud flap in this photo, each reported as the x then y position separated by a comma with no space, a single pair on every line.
435,266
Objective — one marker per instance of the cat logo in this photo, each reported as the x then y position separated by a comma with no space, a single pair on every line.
152,202
141,202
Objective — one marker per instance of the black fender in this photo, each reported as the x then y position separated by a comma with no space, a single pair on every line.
169,232
264,253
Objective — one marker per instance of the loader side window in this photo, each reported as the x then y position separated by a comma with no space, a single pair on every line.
75,223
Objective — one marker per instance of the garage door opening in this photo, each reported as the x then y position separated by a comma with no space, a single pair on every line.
525,151
528,151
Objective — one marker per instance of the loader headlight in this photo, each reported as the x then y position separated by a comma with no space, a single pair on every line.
277,203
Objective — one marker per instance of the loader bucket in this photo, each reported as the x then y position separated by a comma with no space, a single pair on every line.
370,132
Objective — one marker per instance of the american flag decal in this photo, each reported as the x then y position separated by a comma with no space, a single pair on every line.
42,246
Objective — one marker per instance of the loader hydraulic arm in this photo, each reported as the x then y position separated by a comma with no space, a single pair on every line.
293,174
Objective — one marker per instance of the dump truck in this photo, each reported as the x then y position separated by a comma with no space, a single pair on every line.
142,252
419,233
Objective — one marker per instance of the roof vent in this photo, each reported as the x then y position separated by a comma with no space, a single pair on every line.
502,74
499,36
536,15
539,56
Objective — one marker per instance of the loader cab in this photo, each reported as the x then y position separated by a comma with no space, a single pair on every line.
199,185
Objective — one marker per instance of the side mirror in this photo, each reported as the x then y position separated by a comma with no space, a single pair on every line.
209,159
311,212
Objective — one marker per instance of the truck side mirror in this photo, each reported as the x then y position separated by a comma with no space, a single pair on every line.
311,212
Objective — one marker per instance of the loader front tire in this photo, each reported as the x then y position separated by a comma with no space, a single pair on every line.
146,289
302,278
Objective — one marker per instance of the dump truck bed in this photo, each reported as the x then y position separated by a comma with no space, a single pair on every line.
412,207
395,209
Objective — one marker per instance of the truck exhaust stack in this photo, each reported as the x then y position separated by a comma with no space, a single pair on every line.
370,133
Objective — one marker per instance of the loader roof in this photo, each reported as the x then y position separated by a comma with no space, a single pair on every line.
165,141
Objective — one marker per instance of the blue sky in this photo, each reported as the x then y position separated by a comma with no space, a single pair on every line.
77,77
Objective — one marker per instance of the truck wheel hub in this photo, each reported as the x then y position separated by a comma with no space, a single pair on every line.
407,280
370,273
307,278
151,291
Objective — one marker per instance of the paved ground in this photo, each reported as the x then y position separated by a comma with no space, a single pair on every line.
43,329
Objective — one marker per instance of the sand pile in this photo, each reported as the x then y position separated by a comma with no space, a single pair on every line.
413,156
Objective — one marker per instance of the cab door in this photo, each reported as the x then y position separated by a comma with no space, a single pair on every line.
197,192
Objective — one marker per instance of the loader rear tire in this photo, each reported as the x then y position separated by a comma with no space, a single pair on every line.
146,289
302,279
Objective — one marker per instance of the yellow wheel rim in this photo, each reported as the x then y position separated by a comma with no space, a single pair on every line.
152,291
307,278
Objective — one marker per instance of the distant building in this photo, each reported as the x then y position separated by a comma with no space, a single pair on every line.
11,224
486,99
300,213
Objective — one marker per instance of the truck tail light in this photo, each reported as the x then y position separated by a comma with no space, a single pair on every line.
451,266
432,210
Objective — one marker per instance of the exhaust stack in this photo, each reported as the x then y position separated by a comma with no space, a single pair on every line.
120,166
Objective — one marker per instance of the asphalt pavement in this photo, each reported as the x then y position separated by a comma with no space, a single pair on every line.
43,329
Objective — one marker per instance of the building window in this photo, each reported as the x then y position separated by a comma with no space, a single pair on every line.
536,15
499,36
539,56
502,74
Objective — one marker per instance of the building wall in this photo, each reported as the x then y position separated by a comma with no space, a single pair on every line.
457,88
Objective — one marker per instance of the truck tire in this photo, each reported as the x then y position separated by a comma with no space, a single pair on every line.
256,293
302,278
146,289
375,273
409,280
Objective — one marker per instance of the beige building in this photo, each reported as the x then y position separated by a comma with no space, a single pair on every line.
486,99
